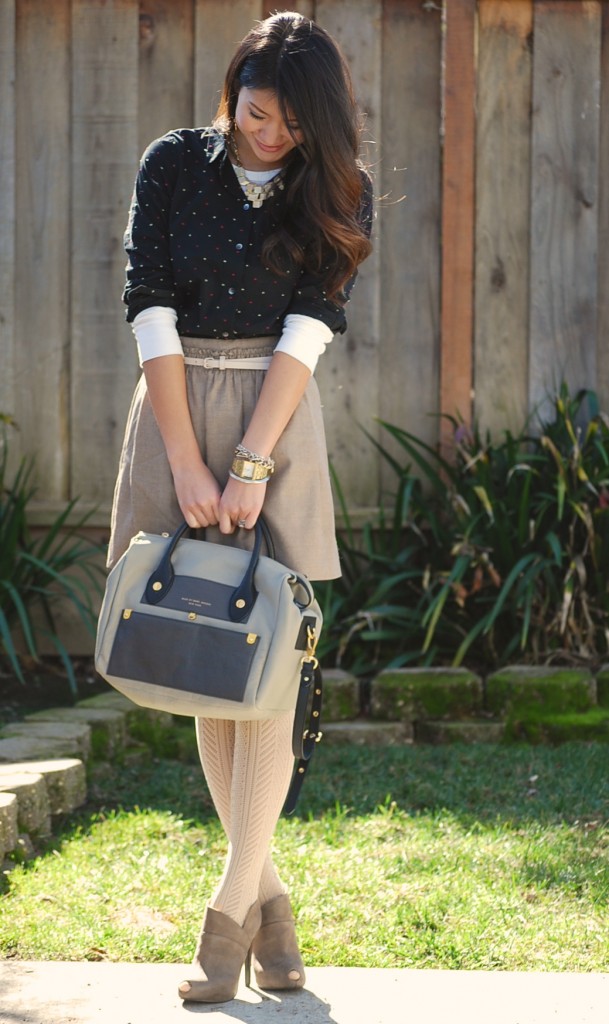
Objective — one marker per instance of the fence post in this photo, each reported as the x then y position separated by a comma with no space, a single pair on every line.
457,212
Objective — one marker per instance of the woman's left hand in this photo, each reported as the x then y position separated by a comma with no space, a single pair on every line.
240,505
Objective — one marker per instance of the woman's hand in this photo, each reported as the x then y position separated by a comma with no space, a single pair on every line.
240,503
198,494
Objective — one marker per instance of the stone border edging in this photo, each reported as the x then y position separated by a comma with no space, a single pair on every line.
43,758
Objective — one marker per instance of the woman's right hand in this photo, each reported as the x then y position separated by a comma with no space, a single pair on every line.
198,494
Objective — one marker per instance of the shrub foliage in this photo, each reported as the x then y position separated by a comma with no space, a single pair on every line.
37,571
500,553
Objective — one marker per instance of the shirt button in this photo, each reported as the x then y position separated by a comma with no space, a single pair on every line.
246,206
231,291
238,247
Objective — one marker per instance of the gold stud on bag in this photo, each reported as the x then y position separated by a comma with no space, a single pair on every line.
213,631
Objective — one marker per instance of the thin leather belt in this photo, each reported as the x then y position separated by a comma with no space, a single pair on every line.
222,363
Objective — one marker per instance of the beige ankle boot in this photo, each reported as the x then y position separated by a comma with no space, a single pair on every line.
277,960
223,948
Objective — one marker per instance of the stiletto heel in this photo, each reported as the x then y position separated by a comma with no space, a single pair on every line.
277,960
223,948
248,967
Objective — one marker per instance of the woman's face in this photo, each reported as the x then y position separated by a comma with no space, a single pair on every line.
263,137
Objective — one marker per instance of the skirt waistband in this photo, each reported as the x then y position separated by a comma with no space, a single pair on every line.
228,350
224,363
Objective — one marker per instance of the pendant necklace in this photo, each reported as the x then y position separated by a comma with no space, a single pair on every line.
254,192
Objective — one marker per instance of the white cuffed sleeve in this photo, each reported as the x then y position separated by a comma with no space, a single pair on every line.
156,334
304,338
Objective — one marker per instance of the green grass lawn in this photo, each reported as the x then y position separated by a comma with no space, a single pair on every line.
454,857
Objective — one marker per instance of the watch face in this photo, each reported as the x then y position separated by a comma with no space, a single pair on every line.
248,469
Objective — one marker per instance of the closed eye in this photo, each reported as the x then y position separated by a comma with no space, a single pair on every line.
257,117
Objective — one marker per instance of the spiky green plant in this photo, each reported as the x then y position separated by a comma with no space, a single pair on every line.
499,553
37,572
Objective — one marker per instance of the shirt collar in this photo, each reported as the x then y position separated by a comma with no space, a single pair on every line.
216,144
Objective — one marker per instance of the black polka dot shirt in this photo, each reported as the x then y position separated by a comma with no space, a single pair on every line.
194,243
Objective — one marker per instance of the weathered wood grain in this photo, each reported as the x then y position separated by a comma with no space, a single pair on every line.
219,28
67,362
306,7
348,374
458,211
42,279
7,206
602,336
104,162
410,213
564,198
503,153
166,68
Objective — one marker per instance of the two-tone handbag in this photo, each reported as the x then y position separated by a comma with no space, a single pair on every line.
210,630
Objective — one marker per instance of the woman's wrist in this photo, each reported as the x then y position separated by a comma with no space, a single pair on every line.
250,467
185,460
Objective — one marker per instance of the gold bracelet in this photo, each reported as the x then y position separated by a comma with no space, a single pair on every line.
245,469
241,452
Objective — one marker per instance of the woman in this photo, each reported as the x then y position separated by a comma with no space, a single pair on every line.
243,243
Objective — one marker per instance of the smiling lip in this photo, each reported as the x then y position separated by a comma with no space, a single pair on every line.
269,149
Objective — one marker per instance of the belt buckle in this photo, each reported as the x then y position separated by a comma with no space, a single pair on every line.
209,362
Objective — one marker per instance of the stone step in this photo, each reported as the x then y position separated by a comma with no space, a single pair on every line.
118,701
363,732
413,694
9,833
543,688
63,738
539,727
466,731
341,700
108,726
108,699
65,781
33,807
36,748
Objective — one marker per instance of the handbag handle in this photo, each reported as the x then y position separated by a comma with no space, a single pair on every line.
242,599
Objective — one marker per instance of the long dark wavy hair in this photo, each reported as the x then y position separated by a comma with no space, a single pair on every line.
319,230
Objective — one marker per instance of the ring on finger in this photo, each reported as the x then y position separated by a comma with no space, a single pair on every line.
241,522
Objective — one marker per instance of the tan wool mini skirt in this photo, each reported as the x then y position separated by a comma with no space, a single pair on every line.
298,504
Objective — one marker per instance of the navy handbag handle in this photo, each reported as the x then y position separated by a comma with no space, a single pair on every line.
242,599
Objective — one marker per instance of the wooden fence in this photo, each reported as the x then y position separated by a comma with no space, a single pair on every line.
488,134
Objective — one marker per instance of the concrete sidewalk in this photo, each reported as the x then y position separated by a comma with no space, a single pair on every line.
95,993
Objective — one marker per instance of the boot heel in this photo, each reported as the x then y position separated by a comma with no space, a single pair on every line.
223,948
277,960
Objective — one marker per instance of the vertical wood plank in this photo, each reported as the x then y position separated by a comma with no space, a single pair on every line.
104,162
410,256
348,375
503,156
219,28
43,240
166,68
7,206
306,7
564,198
602,338
458,210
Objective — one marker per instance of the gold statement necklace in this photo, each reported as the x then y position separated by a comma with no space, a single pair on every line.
252,191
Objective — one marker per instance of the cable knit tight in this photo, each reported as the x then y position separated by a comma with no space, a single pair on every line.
248,767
